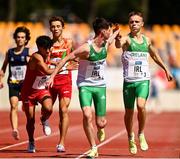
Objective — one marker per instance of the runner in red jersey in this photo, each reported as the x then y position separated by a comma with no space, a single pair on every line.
62,86
34,90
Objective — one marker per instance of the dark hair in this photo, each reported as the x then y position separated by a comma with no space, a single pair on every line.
56,18
44,41
99,24
135,13
24,30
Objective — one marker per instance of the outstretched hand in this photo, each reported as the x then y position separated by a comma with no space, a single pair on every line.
169,76
116,27
73,65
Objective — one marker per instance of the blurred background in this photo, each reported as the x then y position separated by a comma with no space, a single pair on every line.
162,25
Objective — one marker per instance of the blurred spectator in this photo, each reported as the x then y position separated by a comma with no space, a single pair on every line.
154,100
176,74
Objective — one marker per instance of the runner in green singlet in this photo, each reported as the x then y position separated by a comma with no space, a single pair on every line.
136,50
91,80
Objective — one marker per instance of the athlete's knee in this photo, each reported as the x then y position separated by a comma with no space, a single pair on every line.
141,107
129,113
64,109
64,102
47,110
14,106
141,102
88,116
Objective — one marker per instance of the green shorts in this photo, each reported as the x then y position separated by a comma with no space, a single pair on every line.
97,94
132,90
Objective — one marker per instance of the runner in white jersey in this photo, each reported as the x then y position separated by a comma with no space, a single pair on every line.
91,81
136,50
91,71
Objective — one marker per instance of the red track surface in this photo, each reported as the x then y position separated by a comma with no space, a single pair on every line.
162,132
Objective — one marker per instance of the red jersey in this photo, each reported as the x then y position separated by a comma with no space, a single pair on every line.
57,54
34,81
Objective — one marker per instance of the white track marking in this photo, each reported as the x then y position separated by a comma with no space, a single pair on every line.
122,132
105,142
72,129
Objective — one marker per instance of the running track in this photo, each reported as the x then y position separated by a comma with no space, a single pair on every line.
162,131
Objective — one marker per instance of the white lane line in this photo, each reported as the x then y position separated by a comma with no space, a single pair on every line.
72,129
105,142
122,132
10,129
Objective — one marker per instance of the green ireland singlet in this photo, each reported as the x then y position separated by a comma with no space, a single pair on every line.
91,71
135,61
91,80
136,72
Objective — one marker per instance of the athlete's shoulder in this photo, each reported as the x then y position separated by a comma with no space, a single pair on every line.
87,44
126,37
125,40
37,56
148,40
36,60
10,50
67,40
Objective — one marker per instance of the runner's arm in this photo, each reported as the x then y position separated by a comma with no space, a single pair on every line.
82,51
4,66
41,65
79,52
112,37
155,56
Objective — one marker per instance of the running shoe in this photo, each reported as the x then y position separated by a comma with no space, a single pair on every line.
60,148
15,134
31,147
143,143
46,127
93,153
101,135
132,145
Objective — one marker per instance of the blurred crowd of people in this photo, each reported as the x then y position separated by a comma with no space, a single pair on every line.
166,39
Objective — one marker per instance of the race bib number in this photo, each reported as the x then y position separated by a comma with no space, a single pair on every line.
56,59
18,73
95,72
137,69
40,82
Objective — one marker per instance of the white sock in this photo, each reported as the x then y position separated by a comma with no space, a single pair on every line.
141,134
94,147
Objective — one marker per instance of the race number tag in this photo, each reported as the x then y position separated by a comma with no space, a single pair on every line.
137,69
18,73
95,71
40,82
